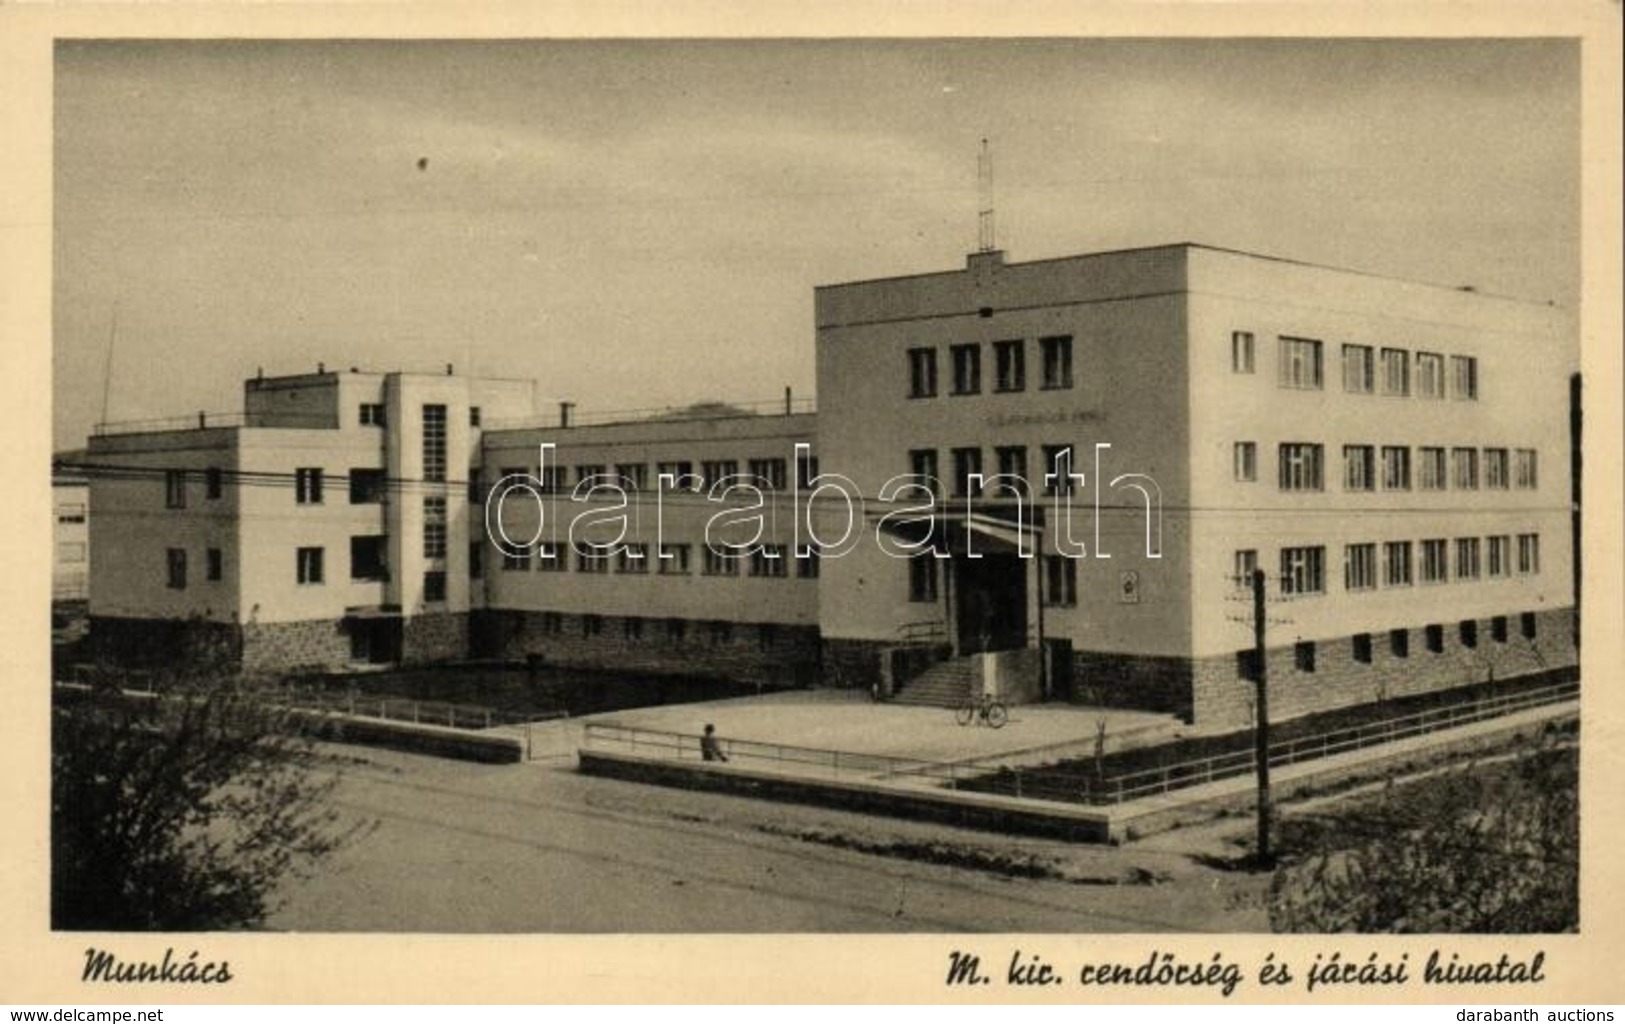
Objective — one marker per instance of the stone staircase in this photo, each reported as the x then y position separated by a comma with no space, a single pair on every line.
947,684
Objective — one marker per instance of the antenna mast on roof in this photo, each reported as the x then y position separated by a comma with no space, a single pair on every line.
107,367
984,189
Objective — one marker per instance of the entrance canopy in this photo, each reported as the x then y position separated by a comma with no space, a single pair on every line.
956,532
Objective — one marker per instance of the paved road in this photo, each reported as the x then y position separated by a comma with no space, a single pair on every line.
538,848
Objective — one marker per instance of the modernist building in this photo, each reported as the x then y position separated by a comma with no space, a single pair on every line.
328,523
1057,476
1392,455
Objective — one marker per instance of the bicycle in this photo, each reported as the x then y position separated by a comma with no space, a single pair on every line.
983,709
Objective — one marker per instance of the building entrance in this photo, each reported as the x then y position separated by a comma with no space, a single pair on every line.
991,613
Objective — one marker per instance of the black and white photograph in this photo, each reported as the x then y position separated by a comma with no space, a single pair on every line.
933,485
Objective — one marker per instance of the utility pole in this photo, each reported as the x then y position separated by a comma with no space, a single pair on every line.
1261,734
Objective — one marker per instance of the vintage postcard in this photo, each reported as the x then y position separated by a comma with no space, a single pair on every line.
903,504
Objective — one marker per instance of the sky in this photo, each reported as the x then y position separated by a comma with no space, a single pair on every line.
642,223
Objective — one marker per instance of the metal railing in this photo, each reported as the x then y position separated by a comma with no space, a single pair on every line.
1076,785
192,421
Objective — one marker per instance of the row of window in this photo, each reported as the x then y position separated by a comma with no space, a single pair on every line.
1301,364
1401,562
372,414
1362,645
769,474
768,561
1009,367
1010,462
1301,467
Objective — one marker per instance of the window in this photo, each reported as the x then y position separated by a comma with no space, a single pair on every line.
1498,629
1526,625
922,462
592,625
1010,365
922,372
1246,563
719,563
674,559
212,483
1396,563
1012,460
1435,564
1060,581
369,558
1435,638
1396,372
434,526
1399,643
967,463
1496,469
1247,664
372,414
1396,468
806,469
589,473
175,488
1432,476
589,560
1528,554
1466,465
967,361
1054,455
1303,655
1467,558
634,558
434,443
1359,369
714,470
1301,467
769,473
308,565
473,415
307,486
1301,364
176,558
434,586
1362,648
70,512
768,561
552,624
476,560
679,473
1464,377
632,628
1469,632
634,475
677,630
1500,556
1057,353
1303,570
922,579
1359,467
367,486
1429,375
550,559
1360,567
555,480
1524,469
1241,351
1246,459
721,632
807,565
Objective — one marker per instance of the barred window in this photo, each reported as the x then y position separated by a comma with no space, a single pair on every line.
922,372
769,561
1500,556
1525,469
634,558
434,443
434,526
1528,553
1246,459
674,559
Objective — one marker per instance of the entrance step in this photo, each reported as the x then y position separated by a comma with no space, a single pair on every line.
947,684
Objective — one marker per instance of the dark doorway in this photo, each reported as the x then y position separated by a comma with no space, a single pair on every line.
375,641
992,593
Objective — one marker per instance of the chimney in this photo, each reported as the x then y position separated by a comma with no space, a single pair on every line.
321,367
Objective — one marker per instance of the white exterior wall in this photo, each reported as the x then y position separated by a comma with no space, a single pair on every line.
1525,354
1125,314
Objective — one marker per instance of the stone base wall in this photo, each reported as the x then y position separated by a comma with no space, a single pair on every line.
310,644
439,637
766,655
1142,682
853,663
163,645
1222,697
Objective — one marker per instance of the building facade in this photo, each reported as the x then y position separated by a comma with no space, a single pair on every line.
1063,472
1393,456
70,535
328,523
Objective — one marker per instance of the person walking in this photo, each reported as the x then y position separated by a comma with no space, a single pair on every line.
710,746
